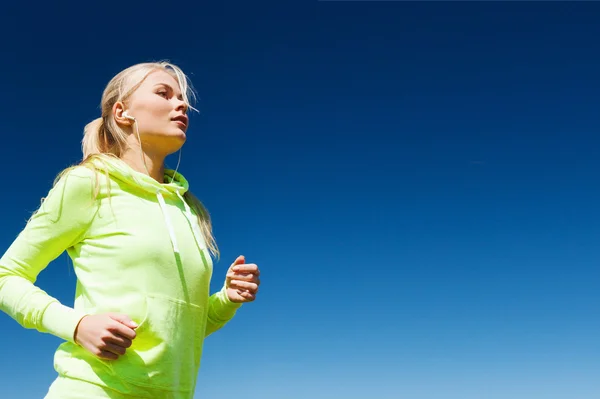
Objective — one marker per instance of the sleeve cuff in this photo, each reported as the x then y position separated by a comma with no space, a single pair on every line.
61,321
222,305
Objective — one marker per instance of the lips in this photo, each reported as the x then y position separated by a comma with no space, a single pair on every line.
181,118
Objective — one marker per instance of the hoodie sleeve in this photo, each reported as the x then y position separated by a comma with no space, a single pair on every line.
61,221
220,311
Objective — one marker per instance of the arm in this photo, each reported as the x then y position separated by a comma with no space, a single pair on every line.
220,311
61,221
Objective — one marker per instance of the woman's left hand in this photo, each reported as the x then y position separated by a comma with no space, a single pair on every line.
242,281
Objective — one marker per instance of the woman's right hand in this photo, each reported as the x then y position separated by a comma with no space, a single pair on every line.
106,335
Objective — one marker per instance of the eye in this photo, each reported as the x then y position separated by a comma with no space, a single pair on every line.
162,93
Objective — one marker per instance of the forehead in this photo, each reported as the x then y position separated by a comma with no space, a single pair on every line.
161,77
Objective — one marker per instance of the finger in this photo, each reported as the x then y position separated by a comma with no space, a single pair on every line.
243,285
239,260
116,349
123,319
247,268
120,341
122,330
108,355
247,296
244,277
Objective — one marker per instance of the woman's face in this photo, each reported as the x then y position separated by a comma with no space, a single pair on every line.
160,112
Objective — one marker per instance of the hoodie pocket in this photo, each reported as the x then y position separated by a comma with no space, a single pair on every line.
166,351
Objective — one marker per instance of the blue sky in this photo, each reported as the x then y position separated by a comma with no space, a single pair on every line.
417,181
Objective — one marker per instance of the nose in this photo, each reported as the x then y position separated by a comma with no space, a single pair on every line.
181,106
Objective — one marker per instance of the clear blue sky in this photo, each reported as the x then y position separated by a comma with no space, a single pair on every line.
417,181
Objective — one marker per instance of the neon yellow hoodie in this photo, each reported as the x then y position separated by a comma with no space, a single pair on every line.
136,249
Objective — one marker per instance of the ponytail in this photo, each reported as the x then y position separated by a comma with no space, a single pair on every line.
94,138
98,138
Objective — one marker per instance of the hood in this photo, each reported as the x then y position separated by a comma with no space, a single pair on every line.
174,185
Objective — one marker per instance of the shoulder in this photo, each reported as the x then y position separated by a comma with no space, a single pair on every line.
76,184
75,179
72,198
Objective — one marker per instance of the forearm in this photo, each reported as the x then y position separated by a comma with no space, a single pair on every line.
33,308
220,311
61,321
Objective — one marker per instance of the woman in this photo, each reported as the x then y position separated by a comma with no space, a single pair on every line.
141,246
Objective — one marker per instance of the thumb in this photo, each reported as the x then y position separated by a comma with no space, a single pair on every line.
123,319
239,260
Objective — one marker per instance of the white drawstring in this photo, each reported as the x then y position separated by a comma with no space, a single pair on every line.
193,222
163,208
190,217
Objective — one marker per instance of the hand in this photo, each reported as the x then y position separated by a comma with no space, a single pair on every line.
242,281
106,335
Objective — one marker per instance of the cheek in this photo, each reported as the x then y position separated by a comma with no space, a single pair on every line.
156,109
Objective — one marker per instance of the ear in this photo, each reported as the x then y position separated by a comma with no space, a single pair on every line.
117,111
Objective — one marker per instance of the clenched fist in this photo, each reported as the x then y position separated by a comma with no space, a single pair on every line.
242,281
106,336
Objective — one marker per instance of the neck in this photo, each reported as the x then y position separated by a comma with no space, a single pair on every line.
139,161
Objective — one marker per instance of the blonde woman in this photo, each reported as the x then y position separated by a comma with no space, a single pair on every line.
141,246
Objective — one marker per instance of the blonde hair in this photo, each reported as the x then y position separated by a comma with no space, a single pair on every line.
103,136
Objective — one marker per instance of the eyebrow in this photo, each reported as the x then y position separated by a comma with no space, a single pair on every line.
164,84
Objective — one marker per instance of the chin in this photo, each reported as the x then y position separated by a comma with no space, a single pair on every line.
173,143
177,136
180,135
